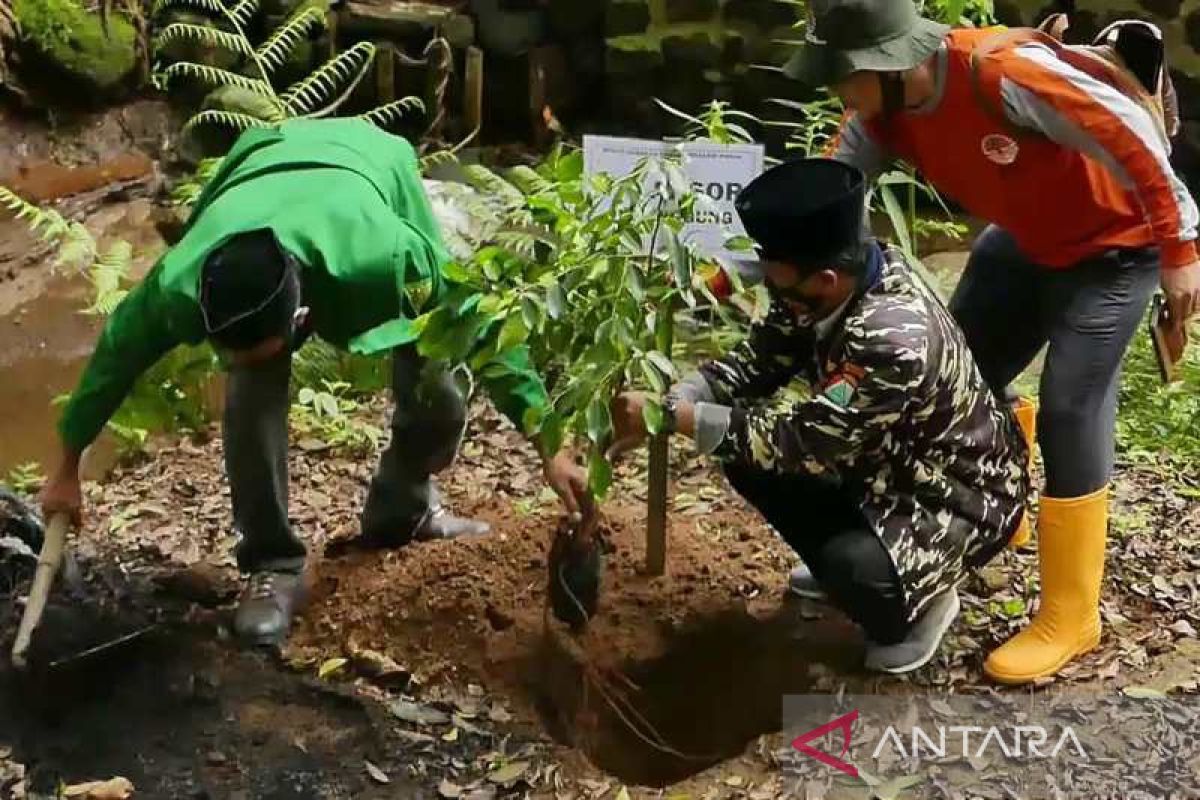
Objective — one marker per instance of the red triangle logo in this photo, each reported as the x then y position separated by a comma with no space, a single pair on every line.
845,724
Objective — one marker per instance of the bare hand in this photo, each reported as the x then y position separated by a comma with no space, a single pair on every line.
570,482
62,495
1182,289
629,425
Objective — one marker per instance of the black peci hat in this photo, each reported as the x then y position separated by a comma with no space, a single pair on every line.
249,290
808,213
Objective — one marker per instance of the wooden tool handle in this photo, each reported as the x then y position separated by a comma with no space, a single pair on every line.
48,560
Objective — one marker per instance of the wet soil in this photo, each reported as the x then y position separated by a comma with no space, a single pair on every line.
187,715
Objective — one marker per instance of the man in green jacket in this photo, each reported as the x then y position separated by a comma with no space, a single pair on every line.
312,227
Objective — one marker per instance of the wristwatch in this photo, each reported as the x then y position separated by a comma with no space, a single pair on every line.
670,404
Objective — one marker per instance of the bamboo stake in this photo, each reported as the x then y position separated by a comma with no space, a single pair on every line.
48,561
660,451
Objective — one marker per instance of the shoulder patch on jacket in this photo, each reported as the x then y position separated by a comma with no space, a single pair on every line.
839,387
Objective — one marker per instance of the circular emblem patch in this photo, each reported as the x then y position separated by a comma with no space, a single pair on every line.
999,149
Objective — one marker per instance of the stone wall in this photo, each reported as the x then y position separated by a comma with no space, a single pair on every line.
621,54
687,52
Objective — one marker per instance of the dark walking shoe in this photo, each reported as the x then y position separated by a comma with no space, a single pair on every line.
802,583
441,524
922,641
264,614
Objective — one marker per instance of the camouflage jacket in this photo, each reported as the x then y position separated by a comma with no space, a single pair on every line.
898,415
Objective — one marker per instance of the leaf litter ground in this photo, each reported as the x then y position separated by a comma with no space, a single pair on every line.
442,676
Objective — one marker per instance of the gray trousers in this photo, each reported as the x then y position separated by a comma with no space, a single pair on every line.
426,427
1009,308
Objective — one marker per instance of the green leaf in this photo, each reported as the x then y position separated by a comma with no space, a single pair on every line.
512,333
1014,607
327,404
306,396
530,312
456,272
663,363
681,266
599,475
652,413
654,377
634,282
599,420
556,301
897,217
739,243
330,666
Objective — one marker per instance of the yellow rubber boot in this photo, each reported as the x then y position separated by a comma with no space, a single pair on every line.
1071,539
1026,413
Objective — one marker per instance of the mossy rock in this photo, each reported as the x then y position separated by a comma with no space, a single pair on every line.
627,17
192,50
691,51
691,10
763,14
572,18
71,41
633,55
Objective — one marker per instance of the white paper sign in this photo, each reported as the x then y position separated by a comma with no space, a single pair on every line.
719,171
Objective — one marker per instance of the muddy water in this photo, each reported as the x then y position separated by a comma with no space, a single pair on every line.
43,346
45,339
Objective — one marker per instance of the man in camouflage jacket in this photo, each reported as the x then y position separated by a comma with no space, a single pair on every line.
901,469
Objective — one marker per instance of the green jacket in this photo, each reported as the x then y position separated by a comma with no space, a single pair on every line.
347,199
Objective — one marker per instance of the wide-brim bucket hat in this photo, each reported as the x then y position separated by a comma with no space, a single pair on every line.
847,36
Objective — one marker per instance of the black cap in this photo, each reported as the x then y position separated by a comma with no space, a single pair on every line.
808,213
249,290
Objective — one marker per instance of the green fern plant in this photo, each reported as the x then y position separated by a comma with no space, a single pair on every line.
76,249
319,94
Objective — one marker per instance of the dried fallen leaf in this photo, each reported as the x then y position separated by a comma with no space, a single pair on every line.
451,735
1163,586
895,788
509,774
1184,628
331,666
376,773
1142,692
418,714
499,713
449,790
112,789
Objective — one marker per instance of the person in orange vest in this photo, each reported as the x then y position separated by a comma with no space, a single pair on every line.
1087,218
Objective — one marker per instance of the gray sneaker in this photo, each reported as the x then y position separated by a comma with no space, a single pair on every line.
922,641
802,583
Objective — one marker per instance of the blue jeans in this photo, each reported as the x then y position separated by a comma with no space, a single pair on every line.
1009,308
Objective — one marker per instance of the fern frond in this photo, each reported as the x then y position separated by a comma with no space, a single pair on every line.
243,12
216,76
279,45
211,6
523,241
438,158
108,277
387,115
228,119
76,248
212,37
492,184
46,223
317,94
